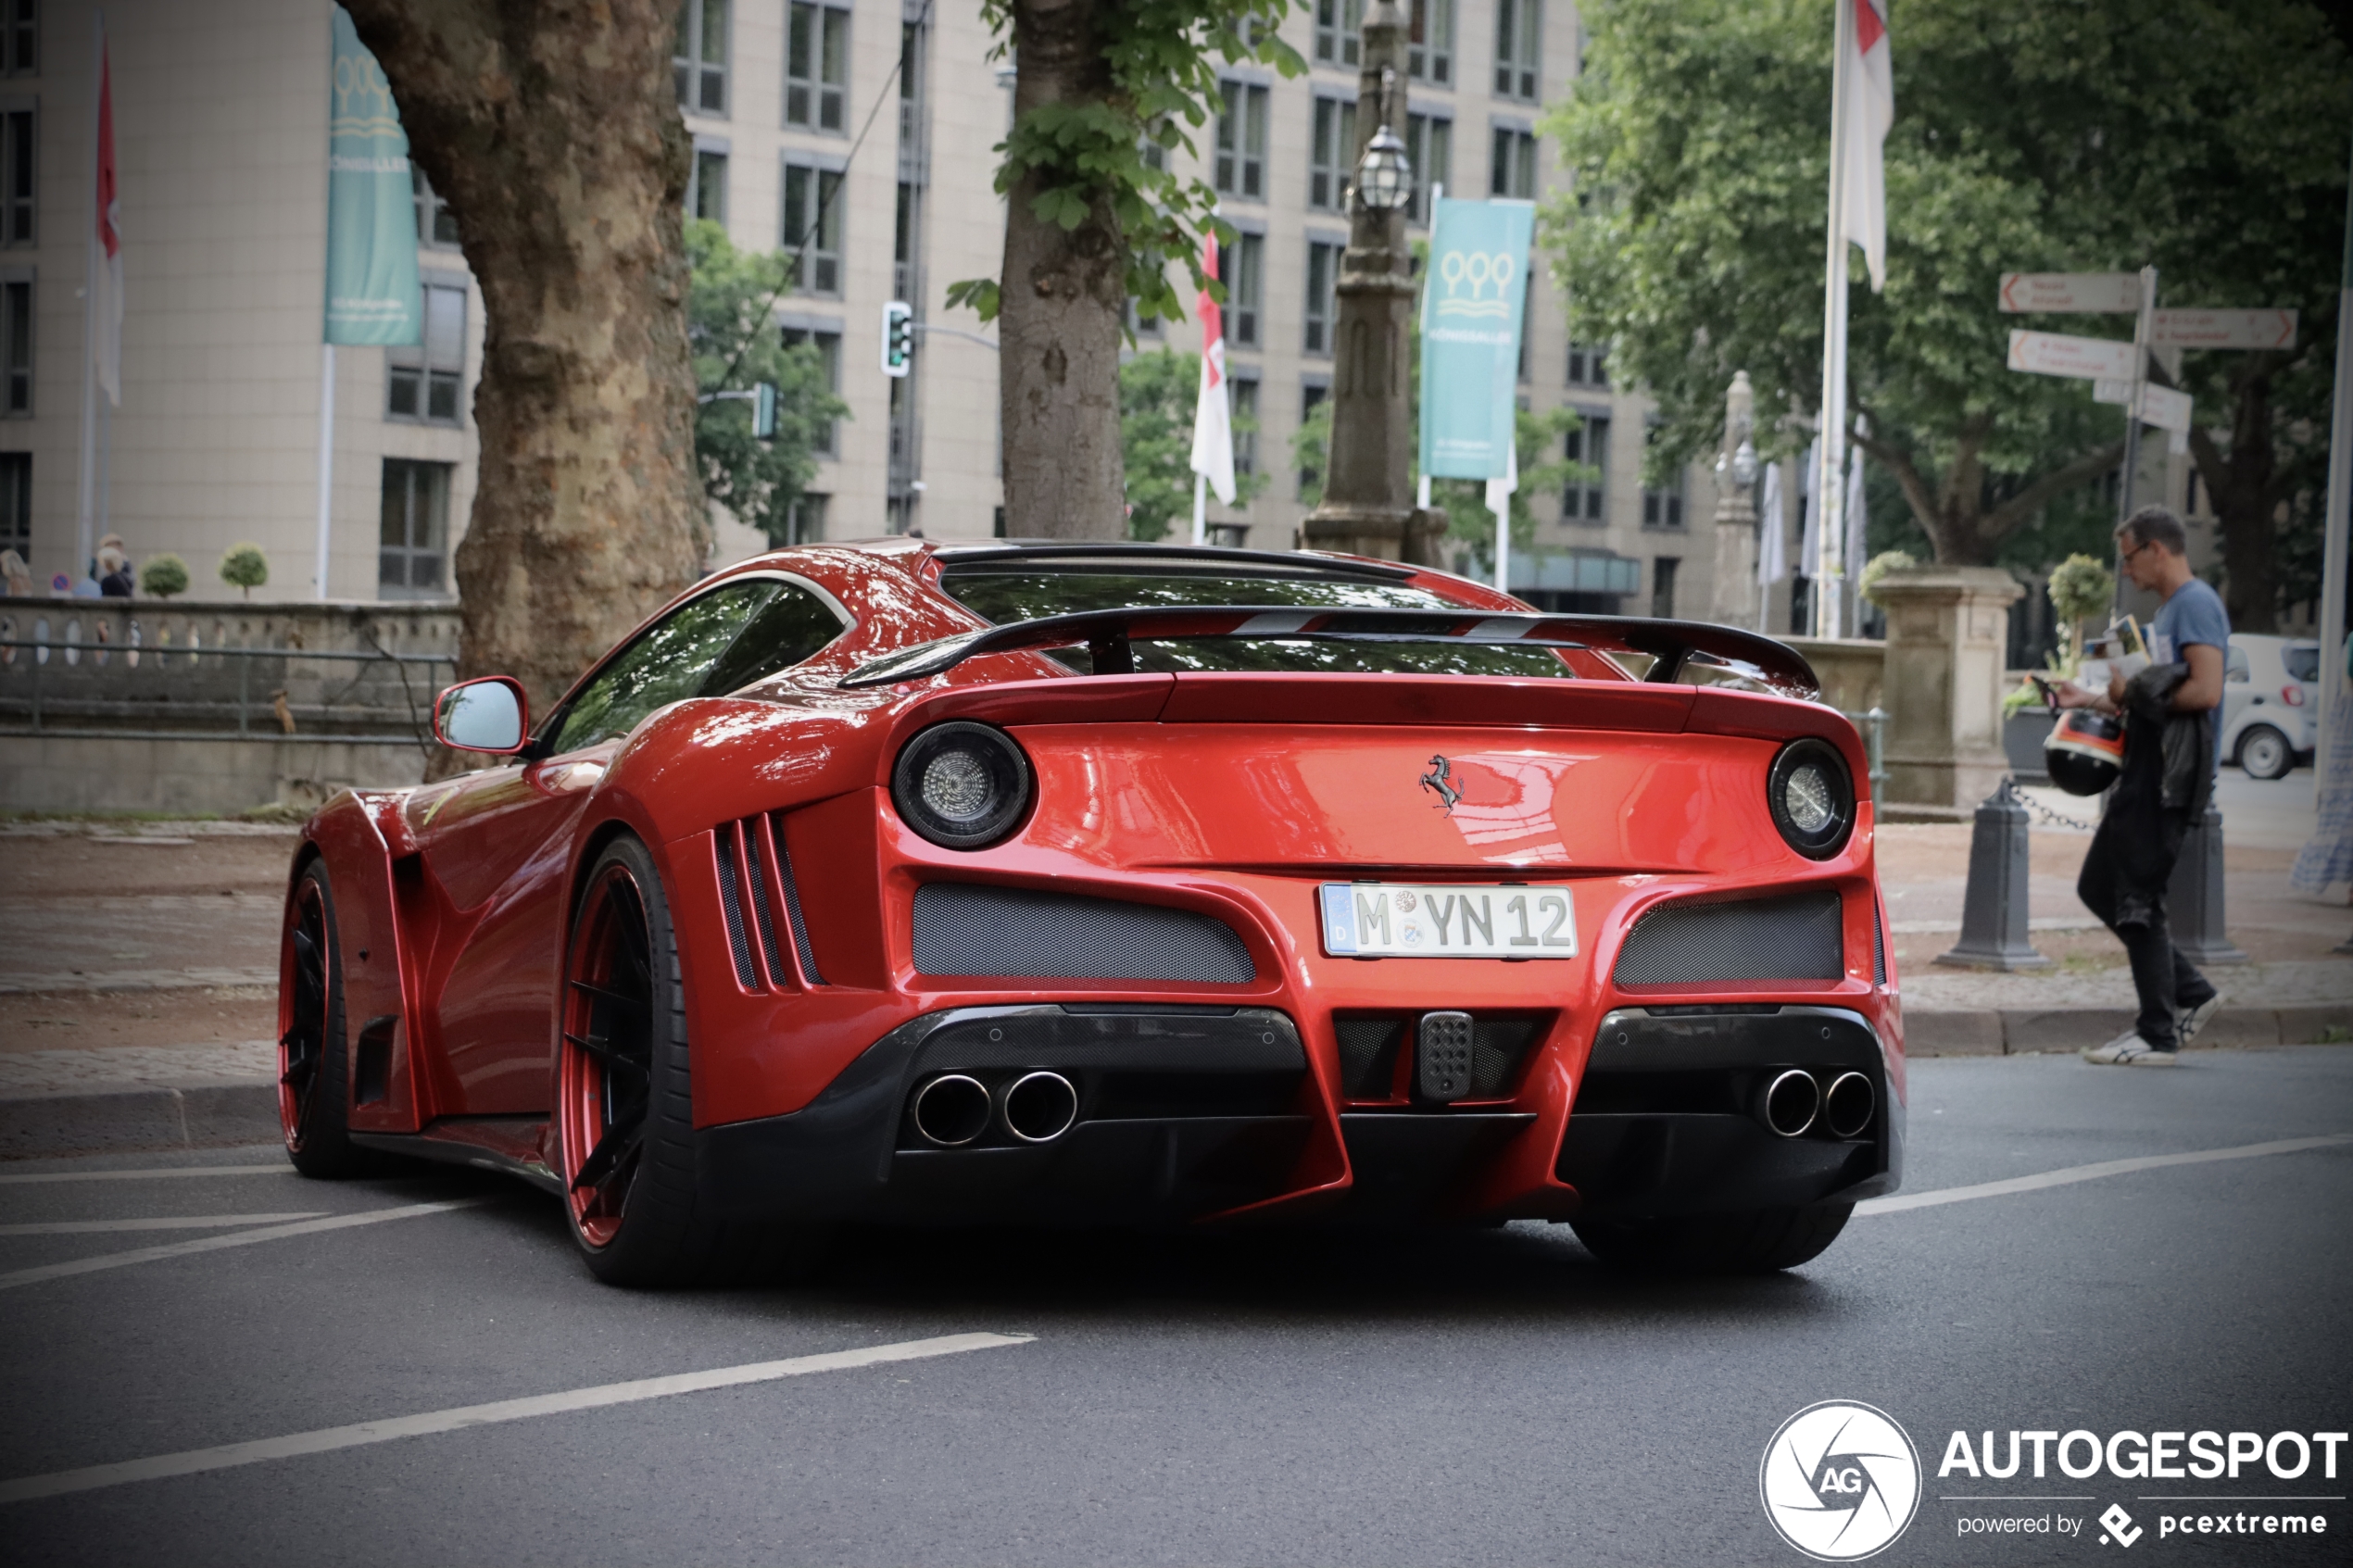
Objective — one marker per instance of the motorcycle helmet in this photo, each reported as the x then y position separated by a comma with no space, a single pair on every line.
2084,751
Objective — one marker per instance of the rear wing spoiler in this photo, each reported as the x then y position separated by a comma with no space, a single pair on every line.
1673,647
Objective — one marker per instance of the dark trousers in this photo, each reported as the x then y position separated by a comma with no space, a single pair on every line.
2133,905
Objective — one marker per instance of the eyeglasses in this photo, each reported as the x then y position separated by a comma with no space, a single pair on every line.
2134,550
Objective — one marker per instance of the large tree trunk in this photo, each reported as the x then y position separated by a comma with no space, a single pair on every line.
1062,300
551,129
1961,529
2246,491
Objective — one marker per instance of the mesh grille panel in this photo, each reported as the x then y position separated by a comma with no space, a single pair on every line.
1796,937
1878,944
1368,1055
731,900
964,929
1497,1046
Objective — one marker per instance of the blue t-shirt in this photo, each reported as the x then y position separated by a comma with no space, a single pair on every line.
2195,614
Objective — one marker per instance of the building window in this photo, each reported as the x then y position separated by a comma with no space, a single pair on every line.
412,541
15,503
1587,497
827,344
1526,327
1339,29
1323,273
20,40
817,69
1310,396
1241,267
437,226
1245,417
16,347
813,223
1511,171
1519,42
18,168
805,518
1430,144
699,59
1241,142
706,185
1430,43
1664,508
426,377
1662,570
1331,154
1588,366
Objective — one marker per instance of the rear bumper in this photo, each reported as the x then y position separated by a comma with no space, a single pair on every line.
1193,1112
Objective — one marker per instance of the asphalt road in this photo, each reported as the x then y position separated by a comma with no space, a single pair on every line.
1325,1398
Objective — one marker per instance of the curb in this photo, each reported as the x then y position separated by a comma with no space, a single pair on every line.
217,1114
121,1121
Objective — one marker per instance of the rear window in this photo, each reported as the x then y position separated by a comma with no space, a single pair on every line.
2303,663
1001,594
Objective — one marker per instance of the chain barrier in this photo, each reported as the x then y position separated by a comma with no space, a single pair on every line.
2010,793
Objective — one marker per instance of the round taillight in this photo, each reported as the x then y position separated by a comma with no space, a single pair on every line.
1812,797
962,785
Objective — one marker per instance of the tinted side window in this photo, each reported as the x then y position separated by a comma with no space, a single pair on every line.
670,660
788,629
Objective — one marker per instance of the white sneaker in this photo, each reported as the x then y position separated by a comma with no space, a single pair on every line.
2127,1049
2187,1024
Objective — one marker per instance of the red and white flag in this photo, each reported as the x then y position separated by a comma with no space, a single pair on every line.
1213,418
1870,110
105,271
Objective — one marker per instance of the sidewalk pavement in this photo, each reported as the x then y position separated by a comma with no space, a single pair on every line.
138,967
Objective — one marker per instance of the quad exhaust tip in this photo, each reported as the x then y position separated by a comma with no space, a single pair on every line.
1790,1103
952,1110
1848,1106
1039,1106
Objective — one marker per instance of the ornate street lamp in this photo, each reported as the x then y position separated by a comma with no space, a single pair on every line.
1385,178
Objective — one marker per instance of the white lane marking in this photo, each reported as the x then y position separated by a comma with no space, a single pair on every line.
178,1223
2073,1173
329,1438
214,1243
20,1178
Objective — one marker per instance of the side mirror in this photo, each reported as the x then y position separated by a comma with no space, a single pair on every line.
490,714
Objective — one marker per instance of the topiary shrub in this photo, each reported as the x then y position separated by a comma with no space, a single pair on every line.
163,576
244,567
1878,567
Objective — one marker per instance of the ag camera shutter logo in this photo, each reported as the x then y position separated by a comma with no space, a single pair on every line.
1839,1481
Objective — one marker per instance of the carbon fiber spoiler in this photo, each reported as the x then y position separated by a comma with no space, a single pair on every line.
1672,645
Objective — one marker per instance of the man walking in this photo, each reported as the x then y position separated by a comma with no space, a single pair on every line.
2171,749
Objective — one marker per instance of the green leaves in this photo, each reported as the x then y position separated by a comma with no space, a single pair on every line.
1156,396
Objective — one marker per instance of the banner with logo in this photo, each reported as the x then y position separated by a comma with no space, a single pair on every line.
372,218
1473,298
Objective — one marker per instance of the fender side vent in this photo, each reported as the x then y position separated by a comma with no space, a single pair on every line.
801,949
1797,937
731,900
964,928
758,893
1879,943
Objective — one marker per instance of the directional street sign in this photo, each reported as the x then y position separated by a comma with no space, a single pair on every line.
2057,354
2160,405
2106,293
2225,328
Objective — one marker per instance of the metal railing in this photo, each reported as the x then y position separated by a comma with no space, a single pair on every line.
270,716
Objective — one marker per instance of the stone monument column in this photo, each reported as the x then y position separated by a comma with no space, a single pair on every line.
1732,601
1947,641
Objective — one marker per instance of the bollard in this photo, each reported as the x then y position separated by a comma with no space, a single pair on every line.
2194,898
1993,910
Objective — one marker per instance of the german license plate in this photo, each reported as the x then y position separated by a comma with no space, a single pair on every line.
1448,920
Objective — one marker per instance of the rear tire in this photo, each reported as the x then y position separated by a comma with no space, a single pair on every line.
2264,753
314,1060
624,1101
1753,1241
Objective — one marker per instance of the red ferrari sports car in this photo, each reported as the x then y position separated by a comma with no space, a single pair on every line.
1105,882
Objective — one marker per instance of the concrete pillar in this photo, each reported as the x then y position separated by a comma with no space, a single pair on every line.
1732,600
1947,634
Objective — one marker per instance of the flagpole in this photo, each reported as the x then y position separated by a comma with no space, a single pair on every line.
85,539
2333,536
1831,490
1201,508
326,457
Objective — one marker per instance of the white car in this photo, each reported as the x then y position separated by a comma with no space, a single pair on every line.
2269,697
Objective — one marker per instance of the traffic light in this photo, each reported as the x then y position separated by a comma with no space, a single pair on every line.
764,410
898,337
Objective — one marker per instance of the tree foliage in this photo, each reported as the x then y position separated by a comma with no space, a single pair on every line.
163,576
1157,392
2091,136
735,346
1162,57
243,565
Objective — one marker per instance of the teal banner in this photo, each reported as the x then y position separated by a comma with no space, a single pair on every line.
1473,298
371,214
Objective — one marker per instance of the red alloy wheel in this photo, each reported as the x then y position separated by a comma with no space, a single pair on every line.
302,1037
603,1083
